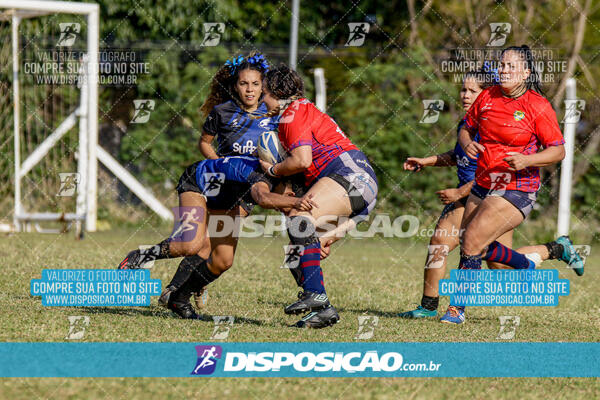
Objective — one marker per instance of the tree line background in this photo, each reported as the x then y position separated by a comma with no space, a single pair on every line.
374,91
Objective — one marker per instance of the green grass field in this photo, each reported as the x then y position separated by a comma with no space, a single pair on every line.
364,277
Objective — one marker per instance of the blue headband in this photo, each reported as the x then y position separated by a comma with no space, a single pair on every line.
260,61
234,63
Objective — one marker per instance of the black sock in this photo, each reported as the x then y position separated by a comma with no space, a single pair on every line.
199,278
183,294
297,274
202,277
554,249
158,251
430,303
184,271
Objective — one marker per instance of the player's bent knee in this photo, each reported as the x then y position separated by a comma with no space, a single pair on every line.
222,264
471,244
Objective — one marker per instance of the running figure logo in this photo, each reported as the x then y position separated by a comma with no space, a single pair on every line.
293,252
77,326
212,33
499,33
223,324
432,109
213,181
499,183
436,256
508,326
366,326
583,250
68,183
142,111
358,33
207,359
186,223
573,110
68,34
148,254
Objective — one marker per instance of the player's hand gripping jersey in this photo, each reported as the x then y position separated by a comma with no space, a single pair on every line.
505,125
302,124
236,133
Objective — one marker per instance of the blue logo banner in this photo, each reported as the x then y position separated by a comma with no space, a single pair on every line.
504,287
309,359
95,287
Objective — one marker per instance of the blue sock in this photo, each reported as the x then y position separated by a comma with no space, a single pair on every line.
310,265
499,253
469,262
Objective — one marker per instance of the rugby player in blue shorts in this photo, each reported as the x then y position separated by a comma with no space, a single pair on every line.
204,186
335,171
235,94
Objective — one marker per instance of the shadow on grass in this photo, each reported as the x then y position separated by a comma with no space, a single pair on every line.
161,312
369,311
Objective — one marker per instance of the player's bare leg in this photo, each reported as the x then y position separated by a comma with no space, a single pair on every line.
333,200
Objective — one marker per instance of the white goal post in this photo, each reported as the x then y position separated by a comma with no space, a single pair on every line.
87,112
89,152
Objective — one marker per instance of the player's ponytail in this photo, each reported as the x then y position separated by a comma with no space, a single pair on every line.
533,80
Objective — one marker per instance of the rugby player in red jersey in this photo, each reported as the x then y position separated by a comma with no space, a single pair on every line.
337,175
519,133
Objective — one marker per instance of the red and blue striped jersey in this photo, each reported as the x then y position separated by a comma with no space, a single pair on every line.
302,124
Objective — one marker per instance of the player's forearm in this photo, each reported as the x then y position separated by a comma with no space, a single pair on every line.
445,159
206,148
464,137
465,189
274,200
548,156
294,164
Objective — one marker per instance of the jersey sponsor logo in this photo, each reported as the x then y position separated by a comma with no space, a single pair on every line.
264,123
519,115
207,359
365,163
462,161
247,148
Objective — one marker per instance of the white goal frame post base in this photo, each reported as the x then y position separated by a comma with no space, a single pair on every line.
89,152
